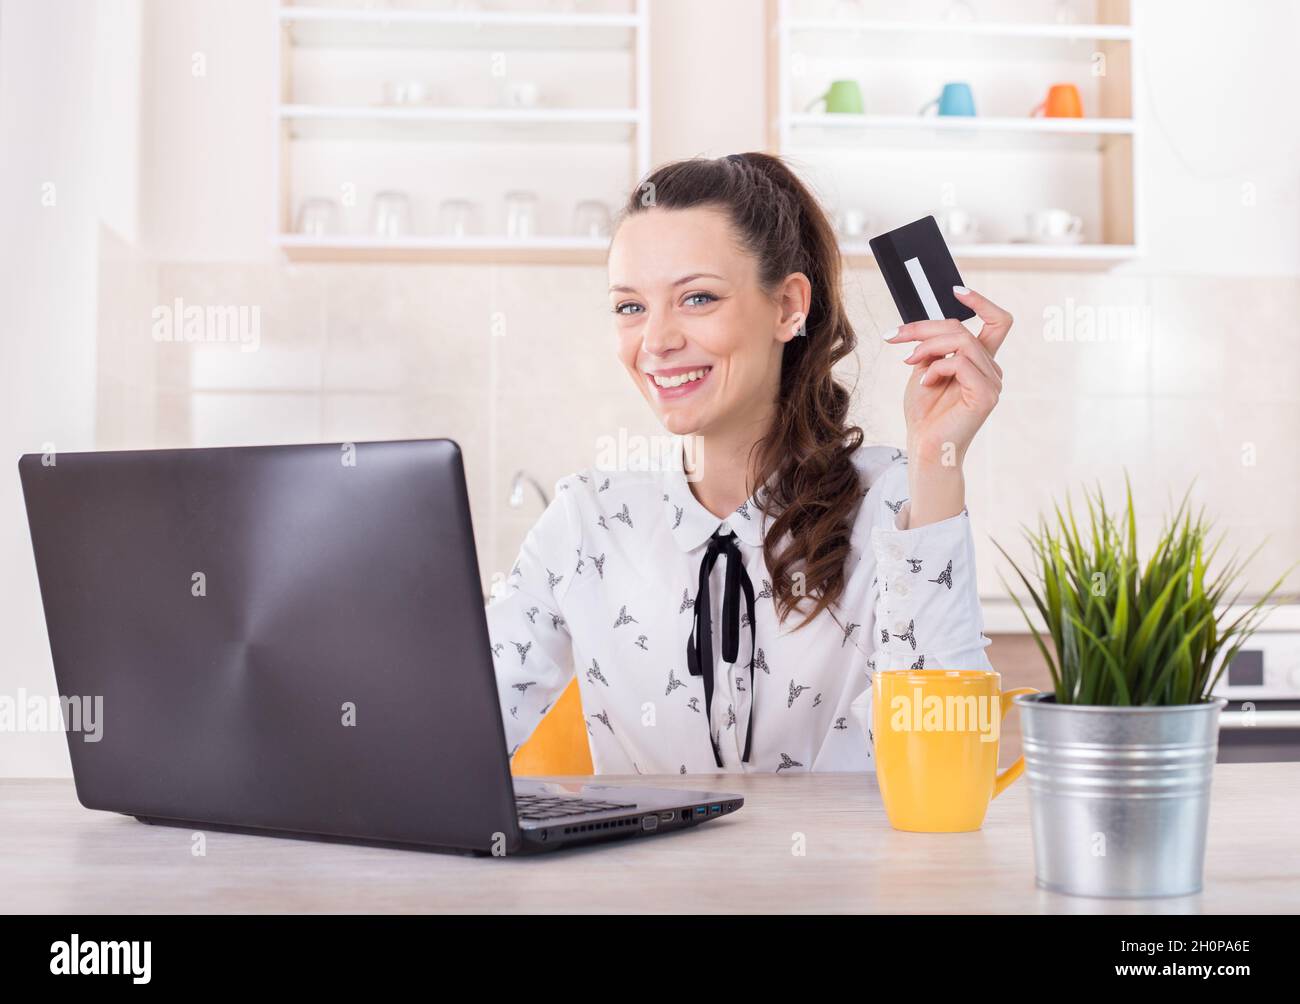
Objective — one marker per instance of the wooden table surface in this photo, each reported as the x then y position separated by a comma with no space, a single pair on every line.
56,857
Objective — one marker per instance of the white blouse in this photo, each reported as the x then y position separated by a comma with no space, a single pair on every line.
606,583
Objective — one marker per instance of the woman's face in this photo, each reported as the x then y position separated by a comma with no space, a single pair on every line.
700,338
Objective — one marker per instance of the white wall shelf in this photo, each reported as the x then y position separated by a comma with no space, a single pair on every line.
400,28
583,135
1073,257
576,250
893,164
965,30
953,131
460,125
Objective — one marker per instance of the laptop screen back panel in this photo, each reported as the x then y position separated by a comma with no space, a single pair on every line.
287,638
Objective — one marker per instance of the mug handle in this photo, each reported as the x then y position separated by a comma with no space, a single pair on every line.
1004,780
932,101
816,101
1040,107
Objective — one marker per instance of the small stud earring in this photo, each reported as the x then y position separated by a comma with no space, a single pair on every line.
799,329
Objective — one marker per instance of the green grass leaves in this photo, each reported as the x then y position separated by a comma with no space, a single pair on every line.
1123,633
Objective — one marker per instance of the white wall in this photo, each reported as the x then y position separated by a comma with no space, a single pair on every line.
67,107
208,135
1219,161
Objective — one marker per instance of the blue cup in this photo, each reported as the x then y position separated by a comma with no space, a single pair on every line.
954,99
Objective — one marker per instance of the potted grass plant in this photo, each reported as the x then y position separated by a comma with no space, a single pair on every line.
1120,753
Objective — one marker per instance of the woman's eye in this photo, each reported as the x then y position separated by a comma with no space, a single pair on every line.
702,297
627,308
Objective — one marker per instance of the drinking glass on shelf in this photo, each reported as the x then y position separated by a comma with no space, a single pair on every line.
318,217
405,92
522,94
457,217
852,223
521,215
591,218
391,214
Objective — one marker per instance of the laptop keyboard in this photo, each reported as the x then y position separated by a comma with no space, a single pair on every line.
535,807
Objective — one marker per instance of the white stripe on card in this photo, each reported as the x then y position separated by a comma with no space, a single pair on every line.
923,289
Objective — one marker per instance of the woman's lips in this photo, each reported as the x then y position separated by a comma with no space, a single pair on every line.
690,377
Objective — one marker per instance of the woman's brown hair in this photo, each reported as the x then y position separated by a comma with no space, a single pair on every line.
806,460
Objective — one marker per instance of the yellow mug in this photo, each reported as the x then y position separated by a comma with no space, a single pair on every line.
936,737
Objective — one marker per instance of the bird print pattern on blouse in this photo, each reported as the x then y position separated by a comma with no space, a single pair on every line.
604,589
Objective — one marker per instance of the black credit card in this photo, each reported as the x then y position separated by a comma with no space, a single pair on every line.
920,273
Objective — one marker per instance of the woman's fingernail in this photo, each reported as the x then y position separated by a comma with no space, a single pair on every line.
924,375
889,334
960,290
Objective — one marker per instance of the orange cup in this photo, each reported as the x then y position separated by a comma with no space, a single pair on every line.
1062,102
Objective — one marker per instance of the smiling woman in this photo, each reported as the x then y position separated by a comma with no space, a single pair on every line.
725,291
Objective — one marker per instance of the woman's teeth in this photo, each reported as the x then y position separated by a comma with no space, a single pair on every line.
680,378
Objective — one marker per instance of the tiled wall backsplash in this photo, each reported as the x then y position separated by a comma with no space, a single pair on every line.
1174,378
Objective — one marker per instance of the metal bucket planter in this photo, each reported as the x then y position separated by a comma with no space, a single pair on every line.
1119,796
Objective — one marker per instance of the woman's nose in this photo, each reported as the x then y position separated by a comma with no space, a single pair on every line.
661,336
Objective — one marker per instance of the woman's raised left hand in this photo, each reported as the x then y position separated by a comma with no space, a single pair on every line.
955,381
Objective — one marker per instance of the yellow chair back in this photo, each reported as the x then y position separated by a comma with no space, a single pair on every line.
558,746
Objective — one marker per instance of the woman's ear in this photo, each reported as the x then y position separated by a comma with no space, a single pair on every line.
793,301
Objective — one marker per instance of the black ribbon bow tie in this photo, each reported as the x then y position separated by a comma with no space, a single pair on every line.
699,648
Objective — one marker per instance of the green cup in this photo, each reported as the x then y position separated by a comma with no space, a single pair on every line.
843,98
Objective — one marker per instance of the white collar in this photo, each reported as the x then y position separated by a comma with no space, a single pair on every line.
692,524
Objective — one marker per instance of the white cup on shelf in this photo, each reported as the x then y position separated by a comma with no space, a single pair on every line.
1054,226
959,226
852,222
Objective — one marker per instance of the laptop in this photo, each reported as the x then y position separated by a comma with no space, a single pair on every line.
291,640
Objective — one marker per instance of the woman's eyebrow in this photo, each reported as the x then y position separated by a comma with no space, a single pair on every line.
682,281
